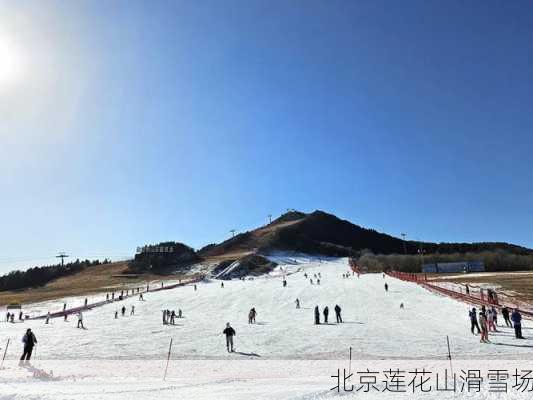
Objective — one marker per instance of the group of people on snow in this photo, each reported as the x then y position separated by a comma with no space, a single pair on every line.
325,313
10,317
487,321
169,316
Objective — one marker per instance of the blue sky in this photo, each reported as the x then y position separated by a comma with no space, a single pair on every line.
125,123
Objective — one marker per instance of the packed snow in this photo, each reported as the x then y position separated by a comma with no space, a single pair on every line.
375,327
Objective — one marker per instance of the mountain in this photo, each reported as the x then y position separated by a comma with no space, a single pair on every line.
322,233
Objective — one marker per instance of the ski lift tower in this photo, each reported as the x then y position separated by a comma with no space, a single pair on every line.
62,256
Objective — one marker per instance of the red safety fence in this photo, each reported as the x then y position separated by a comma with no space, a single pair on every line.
134,292
468,293
354,267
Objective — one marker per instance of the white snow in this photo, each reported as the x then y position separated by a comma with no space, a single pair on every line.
375,327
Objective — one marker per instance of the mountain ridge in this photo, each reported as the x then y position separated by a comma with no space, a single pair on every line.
319,232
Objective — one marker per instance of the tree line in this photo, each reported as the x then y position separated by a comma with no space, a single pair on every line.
39,276
496,260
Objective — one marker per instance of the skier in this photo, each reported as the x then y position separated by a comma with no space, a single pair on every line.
297,303
80,320
401,306
320,276
229,332
467,290
180,314
164,317
386,287
20,316
12,318
172,317
338,313
107,296
484,328
516,317
141,297
116,314
317,316
326,313
29,341
318,281
284,282
505,313
222,284
195,288
132,310
473,321
65,319
123,310
251,316
47,318
8,315
305,275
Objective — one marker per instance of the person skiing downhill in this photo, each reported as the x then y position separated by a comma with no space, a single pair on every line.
297,303
229,332
386,287
473,321
29,341
317,316
326,313
338,314
132,310
123,310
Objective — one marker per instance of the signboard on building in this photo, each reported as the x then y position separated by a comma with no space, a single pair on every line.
463,266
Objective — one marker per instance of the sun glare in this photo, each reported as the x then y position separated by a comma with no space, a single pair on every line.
10,65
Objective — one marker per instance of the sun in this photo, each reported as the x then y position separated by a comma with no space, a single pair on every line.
10,63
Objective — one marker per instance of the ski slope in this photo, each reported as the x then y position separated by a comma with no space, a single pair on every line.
374,326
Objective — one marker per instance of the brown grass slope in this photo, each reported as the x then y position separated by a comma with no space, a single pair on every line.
96,279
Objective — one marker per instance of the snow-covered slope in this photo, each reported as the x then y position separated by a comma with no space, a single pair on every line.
375,326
